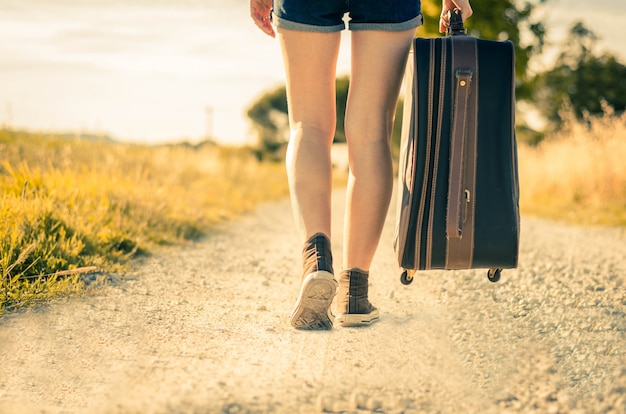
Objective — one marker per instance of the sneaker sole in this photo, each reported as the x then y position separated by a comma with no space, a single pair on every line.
312,309
357,319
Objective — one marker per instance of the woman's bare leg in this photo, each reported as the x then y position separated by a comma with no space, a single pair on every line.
310,65
310,61
378,62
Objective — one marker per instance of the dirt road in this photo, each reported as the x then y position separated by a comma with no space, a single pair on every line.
204,329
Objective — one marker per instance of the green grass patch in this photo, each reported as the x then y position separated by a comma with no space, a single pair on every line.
70,205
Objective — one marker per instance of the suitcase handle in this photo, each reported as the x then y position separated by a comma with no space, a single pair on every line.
456,27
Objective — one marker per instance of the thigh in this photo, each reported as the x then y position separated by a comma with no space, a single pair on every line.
309,15
378,63
310,60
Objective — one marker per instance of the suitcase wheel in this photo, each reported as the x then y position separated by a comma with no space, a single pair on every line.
494,275
406,278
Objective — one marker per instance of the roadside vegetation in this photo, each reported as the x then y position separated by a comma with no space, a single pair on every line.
571,161
71,206
577,174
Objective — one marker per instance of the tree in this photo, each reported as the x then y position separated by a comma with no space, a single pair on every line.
499,20
581,78
492,19
269,118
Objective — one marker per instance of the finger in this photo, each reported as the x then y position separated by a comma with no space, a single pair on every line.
264,23
268,28
466,12
466,9
444,22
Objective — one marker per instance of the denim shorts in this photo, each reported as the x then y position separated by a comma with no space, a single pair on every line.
327,15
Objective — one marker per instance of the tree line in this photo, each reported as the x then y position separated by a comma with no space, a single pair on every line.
581,79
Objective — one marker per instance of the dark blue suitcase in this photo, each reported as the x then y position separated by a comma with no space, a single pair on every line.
458,204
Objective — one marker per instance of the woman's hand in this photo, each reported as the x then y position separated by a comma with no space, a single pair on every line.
260,11
448,6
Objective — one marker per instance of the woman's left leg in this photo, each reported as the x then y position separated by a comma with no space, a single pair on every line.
310,60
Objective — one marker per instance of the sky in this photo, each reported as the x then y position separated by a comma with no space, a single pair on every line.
155,71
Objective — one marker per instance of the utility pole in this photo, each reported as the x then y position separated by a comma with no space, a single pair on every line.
209,121
8,123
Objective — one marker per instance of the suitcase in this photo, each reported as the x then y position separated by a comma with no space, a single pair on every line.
458,194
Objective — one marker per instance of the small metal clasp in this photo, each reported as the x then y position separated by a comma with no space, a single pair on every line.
464,76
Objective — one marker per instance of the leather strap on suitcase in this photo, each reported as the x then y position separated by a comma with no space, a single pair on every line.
462,180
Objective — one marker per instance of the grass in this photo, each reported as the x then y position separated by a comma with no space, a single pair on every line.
70,206
578,174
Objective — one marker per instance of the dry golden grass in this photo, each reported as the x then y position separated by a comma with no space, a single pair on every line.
67,205
578,174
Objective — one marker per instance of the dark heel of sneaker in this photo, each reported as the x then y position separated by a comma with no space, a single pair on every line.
352,305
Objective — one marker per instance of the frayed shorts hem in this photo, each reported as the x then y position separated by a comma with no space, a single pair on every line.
302,27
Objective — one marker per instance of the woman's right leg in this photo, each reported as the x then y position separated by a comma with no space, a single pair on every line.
378,61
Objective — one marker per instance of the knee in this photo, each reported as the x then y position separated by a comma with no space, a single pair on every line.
367,129
309,142
321,132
